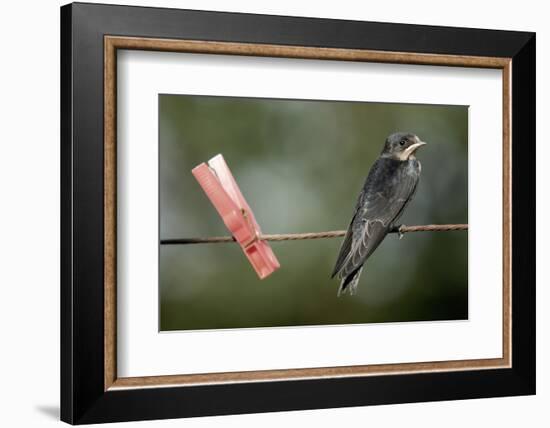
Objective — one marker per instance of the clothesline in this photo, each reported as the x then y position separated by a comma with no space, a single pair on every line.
313,235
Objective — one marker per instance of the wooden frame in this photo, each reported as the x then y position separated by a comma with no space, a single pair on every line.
513,53
112,43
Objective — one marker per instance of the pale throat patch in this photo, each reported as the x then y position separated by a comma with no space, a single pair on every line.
408,153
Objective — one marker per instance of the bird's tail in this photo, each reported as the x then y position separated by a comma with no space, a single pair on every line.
349,283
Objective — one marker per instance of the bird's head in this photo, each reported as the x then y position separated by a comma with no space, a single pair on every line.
401,146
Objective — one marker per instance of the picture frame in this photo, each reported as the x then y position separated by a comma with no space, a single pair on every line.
91,390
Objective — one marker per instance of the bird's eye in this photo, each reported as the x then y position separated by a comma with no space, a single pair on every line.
402,142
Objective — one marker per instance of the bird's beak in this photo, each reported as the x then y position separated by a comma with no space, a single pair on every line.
412,148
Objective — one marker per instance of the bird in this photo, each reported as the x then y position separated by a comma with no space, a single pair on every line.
390,185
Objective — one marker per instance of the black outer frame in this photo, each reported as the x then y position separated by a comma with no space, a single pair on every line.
83,399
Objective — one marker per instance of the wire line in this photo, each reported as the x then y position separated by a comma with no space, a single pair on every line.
313,235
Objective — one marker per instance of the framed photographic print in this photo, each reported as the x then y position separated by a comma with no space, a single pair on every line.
265,213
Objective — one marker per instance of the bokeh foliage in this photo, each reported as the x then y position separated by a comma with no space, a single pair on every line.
301,164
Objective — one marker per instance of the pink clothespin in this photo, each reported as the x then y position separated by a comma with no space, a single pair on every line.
221,188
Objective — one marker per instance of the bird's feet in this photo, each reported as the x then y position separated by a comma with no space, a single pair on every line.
397,229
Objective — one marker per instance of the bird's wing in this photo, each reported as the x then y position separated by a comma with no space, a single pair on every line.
345,248
378,207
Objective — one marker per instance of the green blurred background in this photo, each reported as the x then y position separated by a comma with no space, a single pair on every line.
301,165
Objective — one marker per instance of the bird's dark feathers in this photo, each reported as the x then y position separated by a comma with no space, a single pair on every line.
388,188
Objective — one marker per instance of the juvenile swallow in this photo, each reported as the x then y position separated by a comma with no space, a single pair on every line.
389,187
